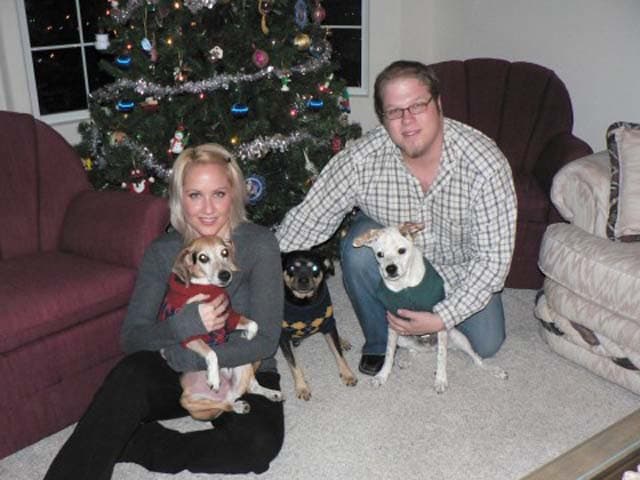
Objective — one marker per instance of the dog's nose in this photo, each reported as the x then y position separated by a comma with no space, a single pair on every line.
391,270
303,281
224,275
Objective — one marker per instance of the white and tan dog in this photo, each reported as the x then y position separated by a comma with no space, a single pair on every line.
201,271
410,282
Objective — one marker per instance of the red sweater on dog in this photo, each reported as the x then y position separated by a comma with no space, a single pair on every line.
177,297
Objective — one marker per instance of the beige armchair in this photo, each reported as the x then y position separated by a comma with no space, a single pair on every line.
590,303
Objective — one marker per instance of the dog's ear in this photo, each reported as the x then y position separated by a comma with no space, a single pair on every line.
409,229
367,237
183,264
327,264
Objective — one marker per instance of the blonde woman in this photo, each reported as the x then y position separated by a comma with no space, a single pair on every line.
207,196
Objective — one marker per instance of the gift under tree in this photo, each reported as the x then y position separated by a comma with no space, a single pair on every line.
254,76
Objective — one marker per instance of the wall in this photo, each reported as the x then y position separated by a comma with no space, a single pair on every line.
591,44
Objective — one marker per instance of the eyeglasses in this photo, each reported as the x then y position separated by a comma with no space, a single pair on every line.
415,109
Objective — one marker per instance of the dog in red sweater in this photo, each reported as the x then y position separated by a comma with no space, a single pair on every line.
204,267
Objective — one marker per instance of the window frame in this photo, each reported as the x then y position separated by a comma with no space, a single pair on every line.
80,115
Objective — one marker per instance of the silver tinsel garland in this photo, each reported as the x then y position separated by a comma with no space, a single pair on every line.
122,15
253,150
149,89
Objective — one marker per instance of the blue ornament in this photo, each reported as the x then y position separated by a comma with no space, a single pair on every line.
315,104
145,43
239,110
256,188
124,105
123,61
301,13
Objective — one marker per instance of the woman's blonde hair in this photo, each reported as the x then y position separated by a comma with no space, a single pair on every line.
207,153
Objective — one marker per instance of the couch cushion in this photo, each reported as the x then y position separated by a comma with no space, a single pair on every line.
533,204
604,272
623,143
45,293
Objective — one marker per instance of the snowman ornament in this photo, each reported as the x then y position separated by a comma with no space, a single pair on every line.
178,142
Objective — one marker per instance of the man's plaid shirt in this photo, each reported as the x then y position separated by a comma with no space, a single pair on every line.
469,211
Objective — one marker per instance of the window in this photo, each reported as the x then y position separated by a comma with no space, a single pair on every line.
348,22
64,63
63,60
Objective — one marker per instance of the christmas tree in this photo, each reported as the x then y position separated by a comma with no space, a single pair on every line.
255,77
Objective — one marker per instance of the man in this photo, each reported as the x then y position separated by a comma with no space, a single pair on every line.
422,167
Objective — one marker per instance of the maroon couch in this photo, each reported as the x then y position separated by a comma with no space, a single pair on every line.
526,109
68,262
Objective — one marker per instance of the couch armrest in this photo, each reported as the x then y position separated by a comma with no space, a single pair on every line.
558,152
115,227
580,192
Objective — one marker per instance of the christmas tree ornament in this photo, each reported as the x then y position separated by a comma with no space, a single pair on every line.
124,61
301,14
260,58
150,104
336,144
239,110
179,141
344,102
319,13
317,48
302,41
256,188
285,80
264,7
215,54
293,112
102,41
146,45
124,105
117,137
87,163
235,140
138,183
315,104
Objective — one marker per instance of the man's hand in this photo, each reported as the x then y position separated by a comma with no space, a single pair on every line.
409,322
199,408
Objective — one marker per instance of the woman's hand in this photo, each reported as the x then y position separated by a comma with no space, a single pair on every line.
409,322
198,408
213,314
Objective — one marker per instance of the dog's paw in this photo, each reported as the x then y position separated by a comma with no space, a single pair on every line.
440,385
251,331
345,344
378,381
241,407
213,380
349,380
275,396
498,373
303,393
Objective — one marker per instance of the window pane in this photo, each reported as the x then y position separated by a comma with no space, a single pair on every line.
91,13
347,48
97,77
59,80
343,12
52,22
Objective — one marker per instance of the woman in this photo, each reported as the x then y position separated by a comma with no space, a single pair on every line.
206,197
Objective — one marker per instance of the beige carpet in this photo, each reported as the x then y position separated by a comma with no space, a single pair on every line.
482,428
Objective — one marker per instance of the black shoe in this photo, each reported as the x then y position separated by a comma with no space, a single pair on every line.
370,364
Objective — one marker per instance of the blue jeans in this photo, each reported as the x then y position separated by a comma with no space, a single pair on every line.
485,329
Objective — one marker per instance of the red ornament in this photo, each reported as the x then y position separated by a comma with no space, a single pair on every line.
319,13
260,58
336,144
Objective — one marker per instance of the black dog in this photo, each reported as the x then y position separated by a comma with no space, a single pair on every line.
308,310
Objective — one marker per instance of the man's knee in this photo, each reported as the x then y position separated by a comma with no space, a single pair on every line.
488,346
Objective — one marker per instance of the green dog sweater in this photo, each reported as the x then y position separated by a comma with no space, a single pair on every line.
422,298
